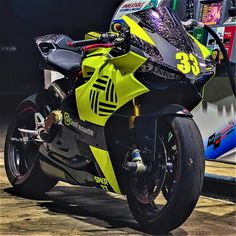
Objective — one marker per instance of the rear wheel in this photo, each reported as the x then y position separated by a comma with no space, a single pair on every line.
21,155
164,197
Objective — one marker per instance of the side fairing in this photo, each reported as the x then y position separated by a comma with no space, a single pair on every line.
103,159
111,85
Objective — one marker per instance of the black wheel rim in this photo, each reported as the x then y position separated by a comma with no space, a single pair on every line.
161,185
22,155
172,167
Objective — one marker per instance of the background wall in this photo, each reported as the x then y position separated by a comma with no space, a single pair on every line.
23,20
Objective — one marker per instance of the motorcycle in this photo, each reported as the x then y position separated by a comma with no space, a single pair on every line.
120,117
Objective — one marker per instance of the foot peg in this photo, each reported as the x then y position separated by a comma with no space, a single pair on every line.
27,131
42,128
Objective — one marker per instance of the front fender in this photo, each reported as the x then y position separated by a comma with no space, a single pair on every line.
169,110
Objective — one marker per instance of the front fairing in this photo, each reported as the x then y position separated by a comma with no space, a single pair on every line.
166,41
176,47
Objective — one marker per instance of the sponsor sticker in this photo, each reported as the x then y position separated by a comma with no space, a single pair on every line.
132,6
69,122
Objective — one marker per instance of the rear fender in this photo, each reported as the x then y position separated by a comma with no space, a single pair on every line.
41,100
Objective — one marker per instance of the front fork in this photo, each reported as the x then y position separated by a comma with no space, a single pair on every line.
136,165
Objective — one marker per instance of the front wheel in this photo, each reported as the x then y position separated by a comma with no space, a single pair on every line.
164,197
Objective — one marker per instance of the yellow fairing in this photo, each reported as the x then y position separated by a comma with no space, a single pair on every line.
128,63
204,50
93,63
103,159
111,85
136,30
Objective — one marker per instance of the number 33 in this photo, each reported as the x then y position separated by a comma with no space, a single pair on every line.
188,63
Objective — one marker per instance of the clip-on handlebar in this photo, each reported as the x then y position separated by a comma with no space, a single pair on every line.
107,40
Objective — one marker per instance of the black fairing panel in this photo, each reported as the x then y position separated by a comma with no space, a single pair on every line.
118,143
164,92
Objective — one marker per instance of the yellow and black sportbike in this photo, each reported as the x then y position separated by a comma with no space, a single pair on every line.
119,118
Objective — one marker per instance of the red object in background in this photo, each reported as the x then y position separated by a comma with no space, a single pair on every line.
217,142
229,37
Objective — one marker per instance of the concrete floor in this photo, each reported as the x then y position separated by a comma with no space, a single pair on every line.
218,168
71,210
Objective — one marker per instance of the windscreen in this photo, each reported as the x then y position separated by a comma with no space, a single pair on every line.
167,25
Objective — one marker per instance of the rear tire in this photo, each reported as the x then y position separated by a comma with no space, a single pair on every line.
187,181
22,161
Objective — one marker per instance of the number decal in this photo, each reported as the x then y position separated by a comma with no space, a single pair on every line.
188,63
195,64
184,65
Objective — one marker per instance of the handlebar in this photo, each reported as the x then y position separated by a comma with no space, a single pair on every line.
104,39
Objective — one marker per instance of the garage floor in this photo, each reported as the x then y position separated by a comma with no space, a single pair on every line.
70,210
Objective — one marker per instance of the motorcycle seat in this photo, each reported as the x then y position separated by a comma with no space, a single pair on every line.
64,61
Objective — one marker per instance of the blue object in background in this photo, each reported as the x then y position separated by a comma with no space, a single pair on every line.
222,142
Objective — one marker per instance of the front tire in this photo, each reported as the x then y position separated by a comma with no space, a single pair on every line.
182,180
22,159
